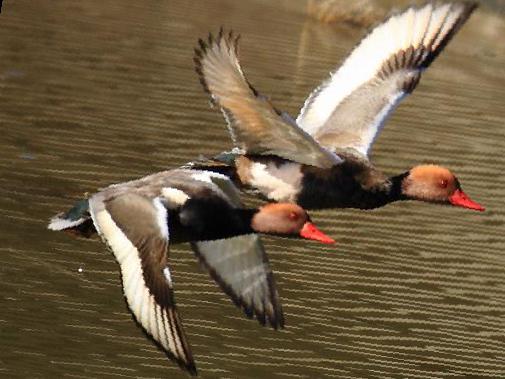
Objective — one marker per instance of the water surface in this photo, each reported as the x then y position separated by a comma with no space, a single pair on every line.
97,92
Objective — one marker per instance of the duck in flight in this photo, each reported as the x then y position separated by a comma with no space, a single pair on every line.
321,159
139,219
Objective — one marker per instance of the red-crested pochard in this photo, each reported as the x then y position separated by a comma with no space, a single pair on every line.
321,159
139,219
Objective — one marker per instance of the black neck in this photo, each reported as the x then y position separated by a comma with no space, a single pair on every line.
383,193
346,190
211,219
395,192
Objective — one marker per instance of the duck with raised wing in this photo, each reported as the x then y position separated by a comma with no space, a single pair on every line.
139,219
321,159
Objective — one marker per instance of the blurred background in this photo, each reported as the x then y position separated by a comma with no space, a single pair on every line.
97,92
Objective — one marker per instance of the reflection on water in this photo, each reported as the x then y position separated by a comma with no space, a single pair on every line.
98,92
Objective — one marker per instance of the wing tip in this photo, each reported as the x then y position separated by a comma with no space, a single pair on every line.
185,362
274,317
191,368
470,5
421,57
223,40
188,365
466,10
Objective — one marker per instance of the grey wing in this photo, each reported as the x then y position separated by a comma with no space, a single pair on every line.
349,109
240,266
135,228
254,124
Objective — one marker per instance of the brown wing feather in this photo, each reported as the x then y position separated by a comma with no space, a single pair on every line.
130,225
255,125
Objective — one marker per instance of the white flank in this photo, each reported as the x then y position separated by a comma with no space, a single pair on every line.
410,28
277,183
157,321
175,197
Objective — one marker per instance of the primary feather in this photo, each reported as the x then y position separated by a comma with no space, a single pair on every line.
349,109
255,125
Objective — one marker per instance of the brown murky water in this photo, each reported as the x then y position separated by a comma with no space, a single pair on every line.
98,92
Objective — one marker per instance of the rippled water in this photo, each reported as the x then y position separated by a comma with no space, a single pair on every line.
98,92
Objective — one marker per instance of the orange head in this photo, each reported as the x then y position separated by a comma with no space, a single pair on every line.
287,219
436,184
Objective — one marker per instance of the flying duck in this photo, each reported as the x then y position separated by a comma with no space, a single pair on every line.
321,159
139,219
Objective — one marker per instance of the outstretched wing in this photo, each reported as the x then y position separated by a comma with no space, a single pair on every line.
349,109
240,266
254,124
135,228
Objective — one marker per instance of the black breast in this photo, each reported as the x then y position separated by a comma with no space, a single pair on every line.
352,184
210,218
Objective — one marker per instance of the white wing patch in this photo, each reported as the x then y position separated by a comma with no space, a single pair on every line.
161,217
378,123
161,323
277,183
425,27
361,66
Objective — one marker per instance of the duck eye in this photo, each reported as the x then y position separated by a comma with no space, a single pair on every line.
444,183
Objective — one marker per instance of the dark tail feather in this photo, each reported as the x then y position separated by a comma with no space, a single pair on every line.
76,221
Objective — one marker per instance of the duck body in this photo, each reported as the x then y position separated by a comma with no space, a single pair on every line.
321,158
208,219
355,183
195,211
140,219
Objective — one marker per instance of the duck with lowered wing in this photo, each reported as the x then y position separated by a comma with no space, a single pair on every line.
139,219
